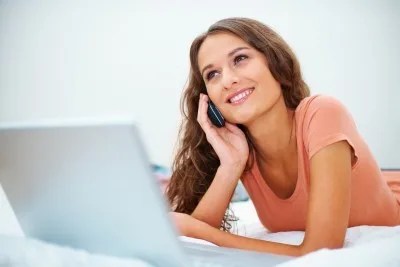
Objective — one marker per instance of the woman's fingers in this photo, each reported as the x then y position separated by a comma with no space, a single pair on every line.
233,128
202,117
207,126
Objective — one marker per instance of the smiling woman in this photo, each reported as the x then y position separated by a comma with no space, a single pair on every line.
300,157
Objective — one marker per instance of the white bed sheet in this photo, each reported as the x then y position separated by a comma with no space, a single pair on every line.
382,251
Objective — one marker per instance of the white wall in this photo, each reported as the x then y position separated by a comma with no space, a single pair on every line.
71,59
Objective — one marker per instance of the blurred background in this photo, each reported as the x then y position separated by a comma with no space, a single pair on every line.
129,59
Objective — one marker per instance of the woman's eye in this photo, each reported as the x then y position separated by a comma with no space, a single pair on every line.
239,58
210,75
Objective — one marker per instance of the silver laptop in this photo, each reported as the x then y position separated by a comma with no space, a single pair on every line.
90,186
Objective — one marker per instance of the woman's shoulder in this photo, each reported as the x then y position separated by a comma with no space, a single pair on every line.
323,120
324,115
316,102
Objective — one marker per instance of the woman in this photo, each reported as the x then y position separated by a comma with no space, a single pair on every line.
301,158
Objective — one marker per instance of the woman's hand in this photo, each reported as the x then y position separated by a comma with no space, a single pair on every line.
229,142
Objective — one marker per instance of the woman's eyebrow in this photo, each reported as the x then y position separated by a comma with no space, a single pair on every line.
236,50
229,55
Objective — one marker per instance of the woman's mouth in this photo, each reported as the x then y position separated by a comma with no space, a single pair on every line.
240,96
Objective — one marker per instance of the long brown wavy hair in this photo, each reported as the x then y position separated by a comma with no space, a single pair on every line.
196,162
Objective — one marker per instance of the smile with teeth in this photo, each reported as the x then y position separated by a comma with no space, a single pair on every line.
241,97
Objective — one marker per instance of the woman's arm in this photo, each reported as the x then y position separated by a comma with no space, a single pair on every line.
211,208
191,227
231,146
328,213
329,203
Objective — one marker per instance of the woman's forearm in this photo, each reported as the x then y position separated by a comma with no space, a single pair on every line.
225,239
211,208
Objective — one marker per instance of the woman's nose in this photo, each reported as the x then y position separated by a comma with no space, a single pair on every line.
229,78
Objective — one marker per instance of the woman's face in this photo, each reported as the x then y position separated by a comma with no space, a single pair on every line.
237,78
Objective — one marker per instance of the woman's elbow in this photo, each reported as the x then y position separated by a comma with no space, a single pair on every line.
308,247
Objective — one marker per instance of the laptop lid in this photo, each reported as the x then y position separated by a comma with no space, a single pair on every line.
87,186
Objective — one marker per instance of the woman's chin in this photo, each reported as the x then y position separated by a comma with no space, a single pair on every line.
244,120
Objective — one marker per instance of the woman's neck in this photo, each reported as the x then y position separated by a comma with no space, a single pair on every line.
273,134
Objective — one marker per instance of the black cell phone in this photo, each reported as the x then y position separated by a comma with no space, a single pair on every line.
215,115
